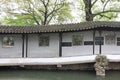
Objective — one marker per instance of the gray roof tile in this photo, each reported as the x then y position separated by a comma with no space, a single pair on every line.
59,28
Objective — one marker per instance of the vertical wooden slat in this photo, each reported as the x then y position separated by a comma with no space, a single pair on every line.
60,44
23,42
100,46
26,45
93,42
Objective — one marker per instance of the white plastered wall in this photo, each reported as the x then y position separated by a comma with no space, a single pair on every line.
77,50
110,49
11,52
36,51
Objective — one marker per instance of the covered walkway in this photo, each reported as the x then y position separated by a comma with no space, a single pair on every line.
54,61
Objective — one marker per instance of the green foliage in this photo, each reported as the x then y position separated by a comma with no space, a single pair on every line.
20,20
39,12
64,14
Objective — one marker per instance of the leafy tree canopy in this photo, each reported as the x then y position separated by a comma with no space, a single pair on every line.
38,12
43,12
100,9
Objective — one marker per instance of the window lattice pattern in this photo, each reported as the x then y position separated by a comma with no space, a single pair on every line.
43,40
77,40
110,39
8,41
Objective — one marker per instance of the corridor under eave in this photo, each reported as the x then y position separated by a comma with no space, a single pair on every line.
54,61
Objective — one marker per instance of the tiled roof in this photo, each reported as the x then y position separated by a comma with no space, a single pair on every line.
59,28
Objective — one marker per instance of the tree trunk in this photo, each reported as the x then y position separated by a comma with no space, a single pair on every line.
88,13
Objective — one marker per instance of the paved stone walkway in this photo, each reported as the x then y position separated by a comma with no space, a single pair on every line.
54,61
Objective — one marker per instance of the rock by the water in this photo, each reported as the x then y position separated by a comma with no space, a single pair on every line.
100,65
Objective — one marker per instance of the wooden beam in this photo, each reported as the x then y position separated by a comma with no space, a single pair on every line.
60,44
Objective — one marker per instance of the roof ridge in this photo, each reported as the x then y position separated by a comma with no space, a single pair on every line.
59,28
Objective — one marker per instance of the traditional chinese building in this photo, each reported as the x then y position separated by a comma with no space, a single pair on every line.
64,40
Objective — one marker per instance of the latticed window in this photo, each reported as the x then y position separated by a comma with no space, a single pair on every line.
8,41
43,40
110,39
118,41
99,40
77,40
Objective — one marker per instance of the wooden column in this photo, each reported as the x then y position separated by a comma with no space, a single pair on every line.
93,42
60,44
23,42
100,46
26,45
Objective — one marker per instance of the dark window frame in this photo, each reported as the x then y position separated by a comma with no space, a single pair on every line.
110,39
118,41
77,40
88,43
66,44
99,40
9,42
44,40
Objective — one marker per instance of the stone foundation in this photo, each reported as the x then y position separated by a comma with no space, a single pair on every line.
114,66
83,66
88,66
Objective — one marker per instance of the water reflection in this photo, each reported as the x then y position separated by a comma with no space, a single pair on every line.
100,78
55,75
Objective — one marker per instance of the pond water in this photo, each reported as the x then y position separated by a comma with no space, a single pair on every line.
55,75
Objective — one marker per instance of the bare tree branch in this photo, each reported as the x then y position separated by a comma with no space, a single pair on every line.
48,1
56,9
46,10
105,5
105,16
33,15
107,12
50,19
94,2
43,2
53,8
